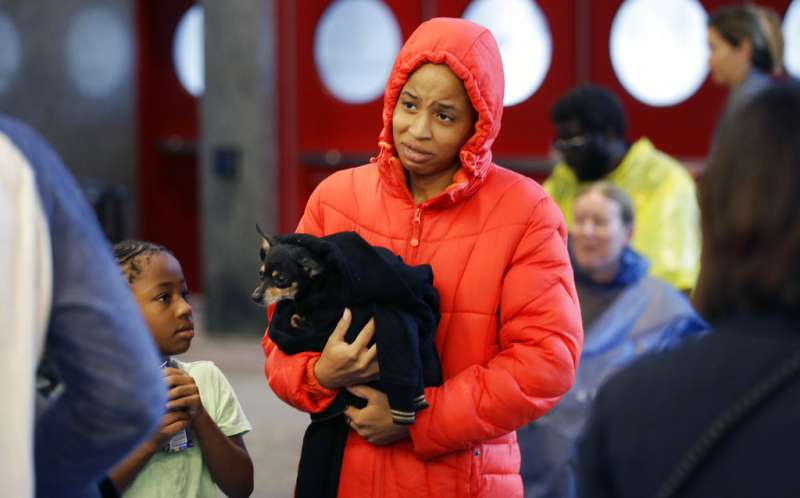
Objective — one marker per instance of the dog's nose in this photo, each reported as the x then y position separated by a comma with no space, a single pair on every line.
258,295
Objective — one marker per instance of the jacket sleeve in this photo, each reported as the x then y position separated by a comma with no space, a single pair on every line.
292,377
668,231
540,338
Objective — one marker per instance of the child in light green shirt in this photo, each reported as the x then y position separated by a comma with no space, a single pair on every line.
201,402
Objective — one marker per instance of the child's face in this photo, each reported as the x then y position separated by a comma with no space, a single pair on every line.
161,292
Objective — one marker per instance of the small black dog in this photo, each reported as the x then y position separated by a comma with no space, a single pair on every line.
311,280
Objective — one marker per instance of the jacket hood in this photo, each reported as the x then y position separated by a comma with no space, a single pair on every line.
471,52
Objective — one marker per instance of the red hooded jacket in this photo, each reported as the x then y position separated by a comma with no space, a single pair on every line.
510,334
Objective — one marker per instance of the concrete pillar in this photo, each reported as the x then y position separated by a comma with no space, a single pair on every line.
239,158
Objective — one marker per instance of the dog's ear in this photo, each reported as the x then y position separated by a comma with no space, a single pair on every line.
311,266
267,241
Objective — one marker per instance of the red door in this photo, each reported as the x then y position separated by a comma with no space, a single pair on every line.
167,137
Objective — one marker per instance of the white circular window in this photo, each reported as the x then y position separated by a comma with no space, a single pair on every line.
791,33
9,53
659,50
187,51
354,48
523,36
99,51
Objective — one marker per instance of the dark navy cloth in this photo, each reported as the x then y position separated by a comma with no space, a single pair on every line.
647,417
372,282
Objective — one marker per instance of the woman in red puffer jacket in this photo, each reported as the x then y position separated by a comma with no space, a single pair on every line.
510,334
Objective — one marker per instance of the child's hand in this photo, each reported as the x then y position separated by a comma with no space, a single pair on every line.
171,423
183,394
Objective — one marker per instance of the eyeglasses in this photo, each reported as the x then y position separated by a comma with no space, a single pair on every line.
575,142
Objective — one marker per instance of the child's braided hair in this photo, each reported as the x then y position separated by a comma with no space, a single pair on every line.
128,253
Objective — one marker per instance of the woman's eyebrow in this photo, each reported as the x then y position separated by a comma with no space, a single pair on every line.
409,94
448,107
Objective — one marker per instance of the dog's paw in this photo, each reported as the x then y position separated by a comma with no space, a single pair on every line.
296,321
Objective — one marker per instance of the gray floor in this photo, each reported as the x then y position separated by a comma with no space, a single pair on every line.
274,444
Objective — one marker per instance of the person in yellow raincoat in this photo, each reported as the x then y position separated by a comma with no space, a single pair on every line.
590,129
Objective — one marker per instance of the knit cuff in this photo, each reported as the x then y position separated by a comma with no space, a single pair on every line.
402,402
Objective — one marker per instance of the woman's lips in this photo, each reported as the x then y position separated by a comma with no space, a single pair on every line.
415,155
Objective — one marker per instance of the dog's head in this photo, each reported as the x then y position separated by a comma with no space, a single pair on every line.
285,271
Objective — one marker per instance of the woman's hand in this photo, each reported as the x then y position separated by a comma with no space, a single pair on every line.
374,422
342,364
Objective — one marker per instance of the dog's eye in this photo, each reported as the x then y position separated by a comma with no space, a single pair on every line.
281,280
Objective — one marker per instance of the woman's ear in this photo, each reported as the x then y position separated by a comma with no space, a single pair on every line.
745,48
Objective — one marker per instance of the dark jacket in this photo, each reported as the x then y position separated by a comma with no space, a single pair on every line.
647,417
374,283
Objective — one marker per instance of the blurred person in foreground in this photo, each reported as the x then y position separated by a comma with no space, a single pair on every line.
590,137
626,314
718,417
63,299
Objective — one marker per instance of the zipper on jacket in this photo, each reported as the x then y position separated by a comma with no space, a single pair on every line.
416,229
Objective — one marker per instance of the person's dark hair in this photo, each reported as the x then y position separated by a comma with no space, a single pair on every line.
737,23
129,254
594,107
749,200
613,193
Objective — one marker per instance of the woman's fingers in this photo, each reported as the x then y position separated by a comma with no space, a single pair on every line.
365,336
341,327
371,353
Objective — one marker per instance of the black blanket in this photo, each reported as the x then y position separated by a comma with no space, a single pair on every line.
372,282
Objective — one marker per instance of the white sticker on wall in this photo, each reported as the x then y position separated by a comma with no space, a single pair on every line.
99,51
355,44
187,51
791,35
523,37
659,50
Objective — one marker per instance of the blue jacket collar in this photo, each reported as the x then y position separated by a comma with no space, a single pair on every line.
633,266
